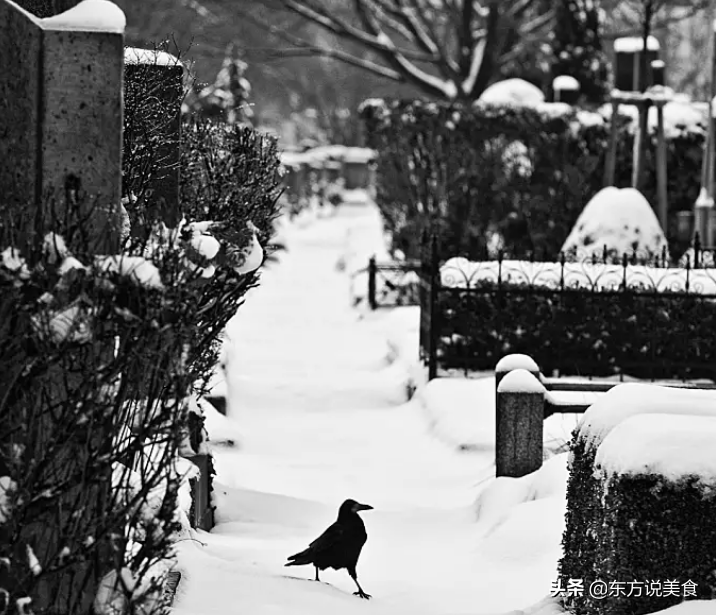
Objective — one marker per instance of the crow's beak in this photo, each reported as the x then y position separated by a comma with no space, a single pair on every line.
359,507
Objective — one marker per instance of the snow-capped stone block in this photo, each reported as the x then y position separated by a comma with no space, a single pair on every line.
620,219
520,381
674,446
519,424
512,362
512,92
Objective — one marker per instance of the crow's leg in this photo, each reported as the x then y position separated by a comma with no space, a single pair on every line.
360,591
317,579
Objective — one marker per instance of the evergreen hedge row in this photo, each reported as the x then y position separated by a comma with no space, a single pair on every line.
624,528
643,334
526,173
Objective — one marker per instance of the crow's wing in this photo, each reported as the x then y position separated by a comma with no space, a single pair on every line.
333,536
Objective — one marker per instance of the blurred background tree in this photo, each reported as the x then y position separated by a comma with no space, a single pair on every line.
310,63
576,47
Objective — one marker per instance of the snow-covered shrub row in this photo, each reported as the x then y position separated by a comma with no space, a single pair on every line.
95,377
578,318
641,479
102,354
229,175
521,172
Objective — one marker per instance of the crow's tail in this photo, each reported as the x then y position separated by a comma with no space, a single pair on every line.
300,559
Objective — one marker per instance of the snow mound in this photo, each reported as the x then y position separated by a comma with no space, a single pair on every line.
512,92
620,219
673,446
461,413
630,399
504,493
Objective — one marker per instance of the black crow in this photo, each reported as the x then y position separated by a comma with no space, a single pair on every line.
339,546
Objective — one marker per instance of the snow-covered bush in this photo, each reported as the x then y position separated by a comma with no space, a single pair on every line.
657,480
102,352
230,184
616,222
94,374
451,166
650,502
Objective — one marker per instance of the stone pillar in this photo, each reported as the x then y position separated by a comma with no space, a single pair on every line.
519,424
61,121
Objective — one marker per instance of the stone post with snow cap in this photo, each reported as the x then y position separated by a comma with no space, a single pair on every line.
519,424
566,89
61,115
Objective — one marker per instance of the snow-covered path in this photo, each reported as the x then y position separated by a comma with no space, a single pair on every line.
322,418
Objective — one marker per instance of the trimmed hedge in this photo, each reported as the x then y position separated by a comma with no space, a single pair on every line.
655,530
640,333
622,528
523,172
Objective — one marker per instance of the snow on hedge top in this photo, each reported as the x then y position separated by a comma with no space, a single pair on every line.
680,116
520,381
631,399
88,16
512,92
516,361
459,272
632,44
671,446
620,219
137,55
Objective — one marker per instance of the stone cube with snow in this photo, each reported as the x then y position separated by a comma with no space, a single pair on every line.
619,220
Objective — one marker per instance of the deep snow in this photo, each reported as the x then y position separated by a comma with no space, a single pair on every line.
320,414
317,409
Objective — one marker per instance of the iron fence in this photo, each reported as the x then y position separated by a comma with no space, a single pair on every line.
392,284
629,315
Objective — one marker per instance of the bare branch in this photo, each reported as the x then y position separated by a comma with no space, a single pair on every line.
303,48
393,56
340,27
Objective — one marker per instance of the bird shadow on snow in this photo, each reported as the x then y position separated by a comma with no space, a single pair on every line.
318,584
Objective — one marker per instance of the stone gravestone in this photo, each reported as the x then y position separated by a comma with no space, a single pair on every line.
61,112
61,131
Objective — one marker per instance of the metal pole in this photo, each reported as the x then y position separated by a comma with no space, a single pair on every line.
705,203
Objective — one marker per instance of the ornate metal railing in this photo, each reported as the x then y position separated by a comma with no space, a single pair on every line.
392,284
634,314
